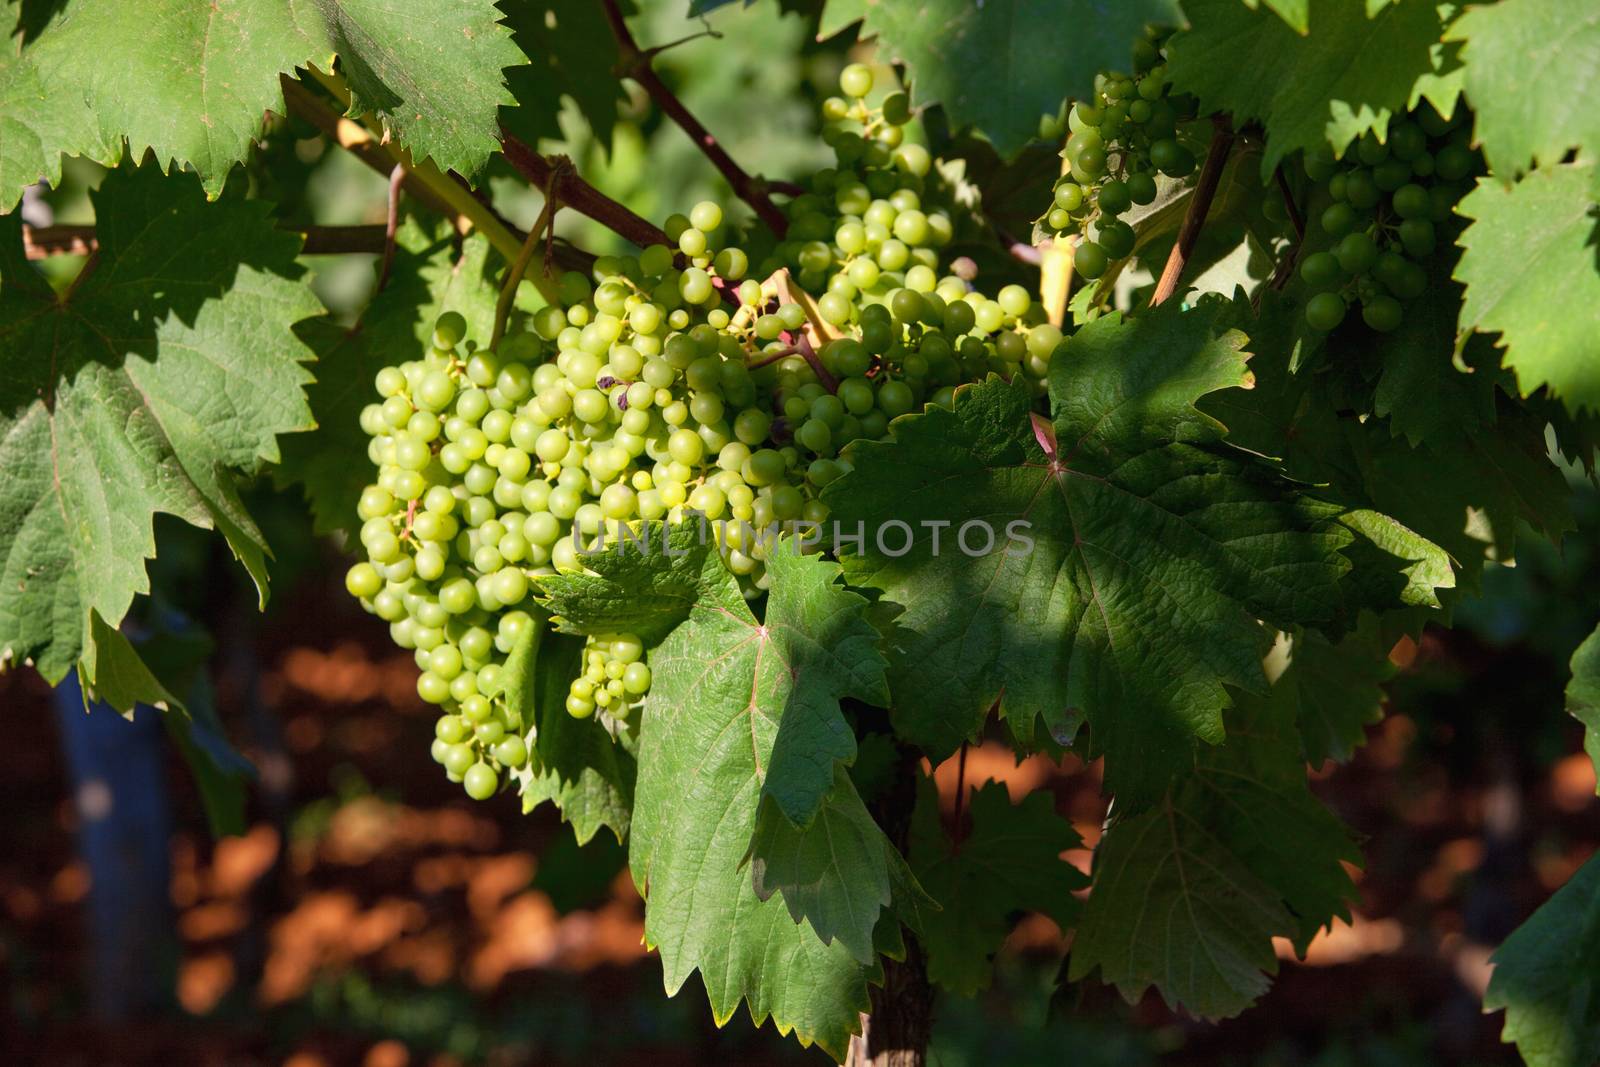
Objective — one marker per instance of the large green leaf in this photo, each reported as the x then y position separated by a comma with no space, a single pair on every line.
1008,861
1131,561
1532,69
743,725
191,82
428,278
1547,310
1002,65
1351,73
168,364
1189,895
1547,977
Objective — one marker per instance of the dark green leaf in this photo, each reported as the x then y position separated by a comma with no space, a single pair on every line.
1547,977
1141,540
1008,861
1189,895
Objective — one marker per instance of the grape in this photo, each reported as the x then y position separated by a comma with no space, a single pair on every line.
1321,270
856,80
1382,313
1325,311
480,781
1090,260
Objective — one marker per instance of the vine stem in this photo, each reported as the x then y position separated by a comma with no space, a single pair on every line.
579,195
508,291
1205,190
634,63
42,242
895,1033
1285,269
391,224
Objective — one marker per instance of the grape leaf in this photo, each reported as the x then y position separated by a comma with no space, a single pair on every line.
724,688
1532,68
1583,693
1009,860
990,65
1189,895
572,53
1348,75
1547,977
575,763
1336,690
192,81
169,363
742,715
428,278
1140,540
1547,312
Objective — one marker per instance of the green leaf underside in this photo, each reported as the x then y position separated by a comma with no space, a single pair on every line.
192,81
1351,73
168,365
1532,71
1155,551
428,278
1007,861
990,65
575,764
1548,313
1547,977
1189,895
739,749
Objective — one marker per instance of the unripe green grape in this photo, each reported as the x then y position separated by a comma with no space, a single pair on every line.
449,330
1141,188
856,80
480,781
1382,313
1325,311
913,159
896,108
1115,197
1321,270
1338,219
1356,253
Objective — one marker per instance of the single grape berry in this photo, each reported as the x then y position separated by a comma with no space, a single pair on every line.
856,80
1382,313
1325,311
1090,260
1321,270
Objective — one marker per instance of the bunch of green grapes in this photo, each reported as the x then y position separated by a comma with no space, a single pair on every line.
662,386
1121,138
875,229
1388,199
614,678
448,552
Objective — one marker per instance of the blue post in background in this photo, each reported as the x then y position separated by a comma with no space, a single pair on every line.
118,778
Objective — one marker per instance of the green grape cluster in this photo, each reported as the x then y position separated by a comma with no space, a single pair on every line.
1385,201
1125,135
662,386
615,677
